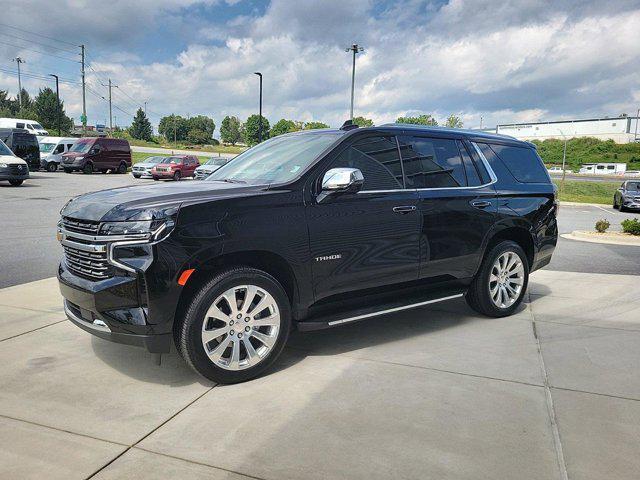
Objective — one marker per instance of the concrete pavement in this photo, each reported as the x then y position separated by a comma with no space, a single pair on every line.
431,393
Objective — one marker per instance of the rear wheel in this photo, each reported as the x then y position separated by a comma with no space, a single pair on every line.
236,326
122,168
52,167
88,169
177,176
156,178
16,183
499,286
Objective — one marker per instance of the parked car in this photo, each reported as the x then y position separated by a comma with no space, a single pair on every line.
51,150
210,166
31,126
175,167
313,229
143,169
12,168
627,196
23,144
101,154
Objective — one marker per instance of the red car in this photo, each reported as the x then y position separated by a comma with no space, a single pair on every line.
176,167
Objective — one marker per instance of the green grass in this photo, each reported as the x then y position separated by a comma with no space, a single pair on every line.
587,192
589,150
141,156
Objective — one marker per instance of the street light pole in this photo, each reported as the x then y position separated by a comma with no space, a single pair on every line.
355,48
260,125
58,106
635,135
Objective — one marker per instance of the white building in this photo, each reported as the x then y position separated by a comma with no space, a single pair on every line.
618,129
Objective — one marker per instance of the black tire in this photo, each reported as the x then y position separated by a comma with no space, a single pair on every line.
16,183
188,329
156,179
52,167
68,170
122,168
615,203
88,168
479,295
177,176
622,208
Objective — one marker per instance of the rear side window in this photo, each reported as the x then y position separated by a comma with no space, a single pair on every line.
377,158
473,177
432,162
522,162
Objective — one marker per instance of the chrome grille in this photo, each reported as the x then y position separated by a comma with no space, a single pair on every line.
18,169
81,226
88,264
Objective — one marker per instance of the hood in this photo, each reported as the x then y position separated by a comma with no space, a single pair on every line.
148,202
11,160
74,154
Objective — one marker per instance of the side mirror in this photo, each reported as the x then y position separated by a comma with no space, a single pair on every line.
341,180
94,150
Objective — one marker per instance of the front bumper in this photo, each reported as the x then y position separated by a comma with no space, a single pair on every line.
141,173
156,174
12,176
200,175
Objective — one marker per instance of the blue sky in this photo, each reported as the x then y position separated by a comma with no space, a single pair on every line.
505,61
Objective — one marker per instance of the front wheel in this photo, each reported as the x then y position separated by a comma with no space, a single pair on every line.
499,286
177,176
52,167
236,326
88,169
16,183
122,168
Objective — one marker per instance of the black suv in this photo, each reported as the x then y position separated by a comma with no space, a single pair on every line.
311,229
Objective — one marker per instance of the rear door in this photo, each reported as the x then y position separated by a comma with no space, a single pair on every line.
456,203
365,239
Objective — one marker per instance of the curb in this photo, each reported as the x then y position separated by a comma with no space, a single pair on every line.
632,241
580,204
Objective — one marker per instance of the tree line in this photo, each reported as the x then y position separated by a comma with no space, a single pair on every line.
44,109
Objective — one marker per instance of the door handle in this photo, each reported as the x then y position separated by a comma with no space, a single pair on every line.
481,203
403,209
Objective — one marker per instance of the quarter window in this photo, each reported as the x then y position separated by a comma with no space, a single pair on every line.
473,178
431,162
377,158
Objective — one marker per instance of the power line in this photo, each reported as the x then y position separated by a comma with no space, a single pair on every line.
39,51
35,76
38,43
38,34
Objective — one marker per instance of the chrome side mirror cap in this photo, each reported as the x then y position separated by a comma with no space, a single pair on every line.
342,180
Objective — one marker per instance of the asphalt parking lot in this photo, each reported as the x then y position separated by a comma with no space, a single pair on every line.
440,392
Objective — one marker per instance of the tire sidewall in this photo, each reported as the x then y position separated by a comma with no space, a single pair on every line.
486,272
191,331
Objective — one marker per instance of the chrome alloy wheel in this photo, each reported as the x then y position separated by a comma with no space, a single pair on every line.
506,279
241,327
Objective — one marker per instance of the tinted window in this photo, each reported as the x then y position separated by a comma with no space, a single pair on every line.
377,159
473,178
19,125
480,166
431,162
522,162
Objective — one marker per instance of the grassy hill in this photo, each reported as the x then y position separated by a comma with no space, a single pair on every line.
589,150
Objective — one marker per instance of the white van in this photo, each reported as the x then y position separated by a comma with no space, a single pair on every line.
51,150
30,126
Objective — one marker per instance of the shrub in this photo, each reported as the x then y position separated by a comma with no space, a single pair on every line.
631,226
602,225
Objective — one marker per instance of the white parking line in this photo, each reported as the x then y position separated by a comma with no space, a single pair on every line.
606,210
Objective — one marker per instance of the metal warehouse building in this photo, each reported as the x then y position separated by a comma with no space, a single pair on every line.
618,129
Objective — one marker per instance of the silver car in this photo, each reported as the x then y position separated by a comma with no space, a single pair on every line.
143,169
210,166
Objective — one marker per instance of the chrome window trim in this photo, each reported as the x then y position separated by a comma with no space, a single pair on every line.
484,161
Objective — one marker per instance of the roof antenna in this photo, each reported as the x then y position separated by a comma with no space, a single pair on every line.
348,125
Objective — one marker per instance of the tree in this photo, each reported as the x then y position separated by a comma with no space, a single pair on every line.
251,129
314,125
453,121
202,124
230,130
284,126
173,127
46,109
141,127
363,122
198,137
425,119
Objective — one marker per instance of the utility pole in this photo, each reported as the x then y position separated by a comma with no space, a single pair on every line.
564,159
84,98
260,124
635,135
355,48
18,60
110,115
58,106
145,108
481,122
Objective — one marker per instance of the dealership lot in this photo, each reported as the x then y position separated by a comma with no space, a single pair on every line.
438,392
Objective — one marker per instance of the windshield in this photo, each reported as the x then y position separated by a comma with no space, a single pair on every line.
633,185
153,160
37,126
47,147
172,160
215,161
4,150
81,146
277,160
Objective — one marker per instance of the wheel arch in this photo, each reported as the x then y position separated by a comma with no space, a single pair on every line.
519,234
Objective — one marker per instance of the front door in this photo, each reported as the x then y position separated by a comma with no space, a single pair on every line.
370,238
456,200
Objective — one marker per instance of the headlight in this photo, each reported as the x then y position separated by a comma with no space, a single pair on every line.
78,158
3,165
151,229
